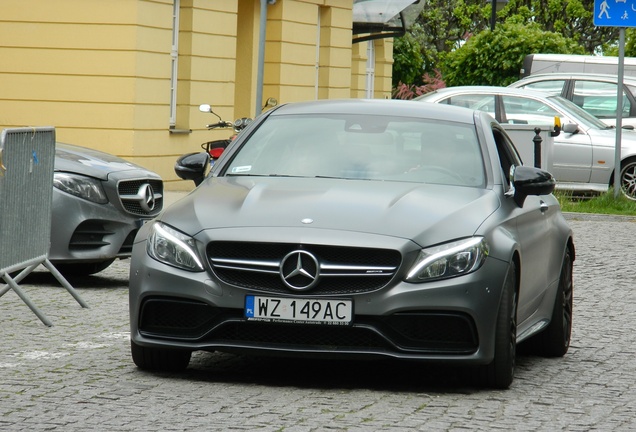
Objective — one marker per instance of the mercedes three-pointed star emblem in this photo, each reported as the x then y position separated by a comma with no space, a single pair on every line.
300,270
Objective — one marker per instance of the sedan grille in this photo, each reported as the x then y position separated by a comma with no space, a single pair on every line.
143,197
421,331
338,269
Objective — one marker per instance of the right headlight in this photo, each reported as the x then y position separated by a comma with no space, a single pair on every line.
81,186
172,247
449,260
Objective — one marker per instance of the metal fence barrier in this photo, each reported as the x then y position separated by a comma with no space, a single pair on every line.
27,157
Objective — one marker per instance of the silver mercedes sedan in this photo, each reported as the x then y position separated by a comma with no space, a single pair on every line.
358,229
582,157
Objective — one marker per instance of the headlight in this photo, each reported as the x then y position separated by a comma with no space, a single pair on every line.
81,186
449,260
172,247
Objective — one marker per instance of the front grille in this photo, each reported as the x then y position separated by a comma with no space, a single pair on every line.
343,270
89,235
176,317
133,201
447,331
415,332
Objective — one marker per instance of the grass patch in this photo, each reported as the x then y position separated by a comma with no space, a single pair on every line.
600,204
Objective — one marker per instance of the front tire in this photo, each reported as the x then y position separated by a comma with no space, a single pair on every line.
554,341
500,372
158,359
628,178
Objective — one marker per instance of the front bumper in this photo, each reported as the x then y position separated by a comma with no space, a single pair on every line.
444,321
83,231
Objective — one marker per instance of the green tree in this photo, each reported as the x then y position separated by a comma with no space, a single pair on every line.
407,61
496,57
630,45
573,19
443,26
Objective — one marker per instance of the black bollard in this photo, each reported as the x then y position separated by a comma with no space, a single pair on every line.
537,140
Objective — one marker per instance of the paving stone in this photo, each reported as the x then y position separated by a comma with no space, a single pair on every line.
78,374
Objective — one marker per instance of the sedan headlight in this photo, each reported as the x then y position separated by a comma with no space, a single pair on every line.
80,186
449,260
172,247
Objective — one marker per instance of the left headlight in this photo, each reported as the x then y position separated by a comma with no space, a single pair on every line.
172,247
83,187
449,260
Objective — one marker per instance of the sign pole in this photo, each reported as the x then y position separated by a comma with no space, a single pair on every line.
622,15
619,113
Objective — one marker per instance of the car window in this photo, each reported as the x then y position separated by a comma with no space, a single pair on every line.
479,102
598,98
508,156
362,147
522,110
551,86
576,114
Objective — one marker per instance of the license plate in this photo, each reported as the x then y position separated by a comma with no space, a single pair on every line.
297,310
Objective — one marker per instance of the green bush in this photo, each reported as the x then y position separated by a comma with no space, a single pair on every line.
496,57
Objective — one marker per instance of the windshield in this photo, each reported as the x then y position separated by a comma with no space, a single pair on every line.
578,113
362,147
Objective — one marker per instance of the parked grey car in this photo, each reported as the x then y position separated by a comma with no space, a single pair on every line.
595,93
582,158
99,203
358,229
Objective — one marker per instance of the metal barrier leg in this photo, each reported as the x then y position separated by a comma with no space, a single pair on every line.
24,273
61,279
14,286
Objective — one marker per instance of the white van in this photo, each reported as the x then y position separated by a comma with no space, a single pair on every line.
546,63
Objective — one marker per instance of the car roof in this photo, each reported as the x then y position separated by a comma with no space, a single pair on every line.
575,75
486,90
380,107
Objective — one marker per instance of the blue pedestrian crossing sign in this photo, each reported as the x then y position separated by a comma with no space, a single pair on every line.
615,13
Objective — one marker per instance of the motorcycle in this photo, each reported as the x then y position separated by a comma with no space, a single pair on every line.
216,147
194,166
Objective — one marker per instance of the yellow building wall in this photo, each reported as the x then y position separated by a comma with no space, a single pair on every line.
99,71
308,50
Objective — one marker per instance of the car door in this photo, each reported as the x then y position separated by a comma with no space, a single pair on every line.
532,225
571,153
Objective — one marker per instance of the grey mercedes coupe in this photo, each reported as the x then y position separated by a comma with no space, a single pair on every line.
358,229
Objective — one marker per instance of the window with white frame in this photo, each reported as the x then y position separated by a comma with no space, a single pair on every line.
174,55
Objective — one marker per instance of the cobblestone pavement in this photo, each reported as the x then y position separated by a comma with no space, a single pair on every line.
78,374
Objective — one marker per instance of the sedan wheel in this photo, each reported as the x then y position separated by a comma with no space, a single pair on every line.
554,341
168,360
499,373
628,179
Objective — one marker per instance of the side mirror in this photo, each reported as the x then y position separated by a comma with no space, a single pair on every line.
570,128
270,102
192,166
531,181
206,108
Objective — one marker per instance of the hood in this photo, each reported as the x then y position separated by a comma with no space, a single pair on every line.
89,162
398,209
